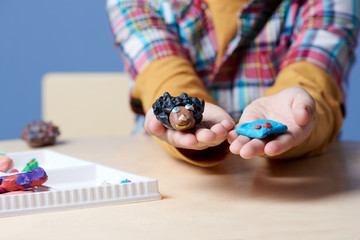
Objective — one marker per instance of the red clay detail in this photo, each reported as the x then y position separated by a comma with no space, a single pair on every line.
267,125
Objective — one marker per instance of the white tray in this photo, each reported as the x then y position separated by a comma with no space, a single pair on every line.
75,183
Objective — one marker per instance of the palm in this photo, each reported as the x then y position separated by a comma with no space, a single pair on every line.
293,107
212,130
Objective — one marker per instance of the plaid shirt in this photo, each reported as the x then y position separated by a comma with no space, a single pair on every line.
271,35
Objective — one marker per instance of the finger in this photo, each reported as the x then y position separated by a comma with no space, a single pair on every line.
219,130
205,135
238,143
303,108
281,144
232,136
253,148
179,138
154,127
228,125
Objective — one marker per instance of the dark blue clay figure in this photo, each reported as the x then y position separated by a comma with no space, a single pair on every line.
261,128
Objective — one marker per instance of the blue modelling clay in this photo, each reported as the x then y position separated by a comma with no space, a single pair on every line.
125,181
261,128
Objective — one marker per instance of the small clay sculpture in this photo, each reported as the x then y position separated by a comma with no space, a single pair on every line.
261,128
25,180
6,163
38,134
179,113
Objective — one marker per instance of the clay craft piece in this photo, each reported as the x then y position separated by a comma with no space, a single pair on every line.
25,180
12,170
6,163
31,165
261,128
179,113
38,134
125,181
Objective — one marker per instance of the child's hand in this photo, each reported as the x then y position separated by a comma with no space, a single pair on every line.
211,131
294,107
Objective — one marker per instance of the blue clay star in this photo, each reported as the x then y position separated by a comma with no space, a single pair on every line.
261,128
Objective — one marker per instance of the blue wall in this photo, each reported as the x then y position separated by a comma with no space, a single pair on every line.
351,130
43,36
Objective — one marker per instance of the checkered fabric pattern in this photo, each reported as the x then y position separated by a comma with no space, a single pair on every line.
272,34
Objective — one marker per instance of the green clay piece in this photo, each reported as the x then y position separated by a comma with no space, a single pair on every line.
31,165
2,153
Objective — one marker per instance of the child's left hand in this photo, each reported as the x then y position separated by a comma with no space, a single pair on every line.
294,107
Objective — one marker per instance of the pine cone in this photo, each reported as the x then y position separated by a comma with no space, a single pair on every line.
38,134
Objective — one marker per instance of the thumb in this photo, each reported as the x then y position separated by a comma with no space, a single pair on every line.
303,108
152,125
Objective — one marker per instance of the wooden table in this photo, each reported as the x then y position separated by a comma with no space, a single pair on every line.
315,198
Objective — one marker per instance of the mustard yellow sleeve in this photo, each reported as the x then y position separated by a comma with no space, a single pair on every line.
176,75
171,74
328,98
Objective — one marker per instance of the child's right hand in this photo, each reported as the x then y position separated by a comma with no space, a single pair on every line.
210,132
